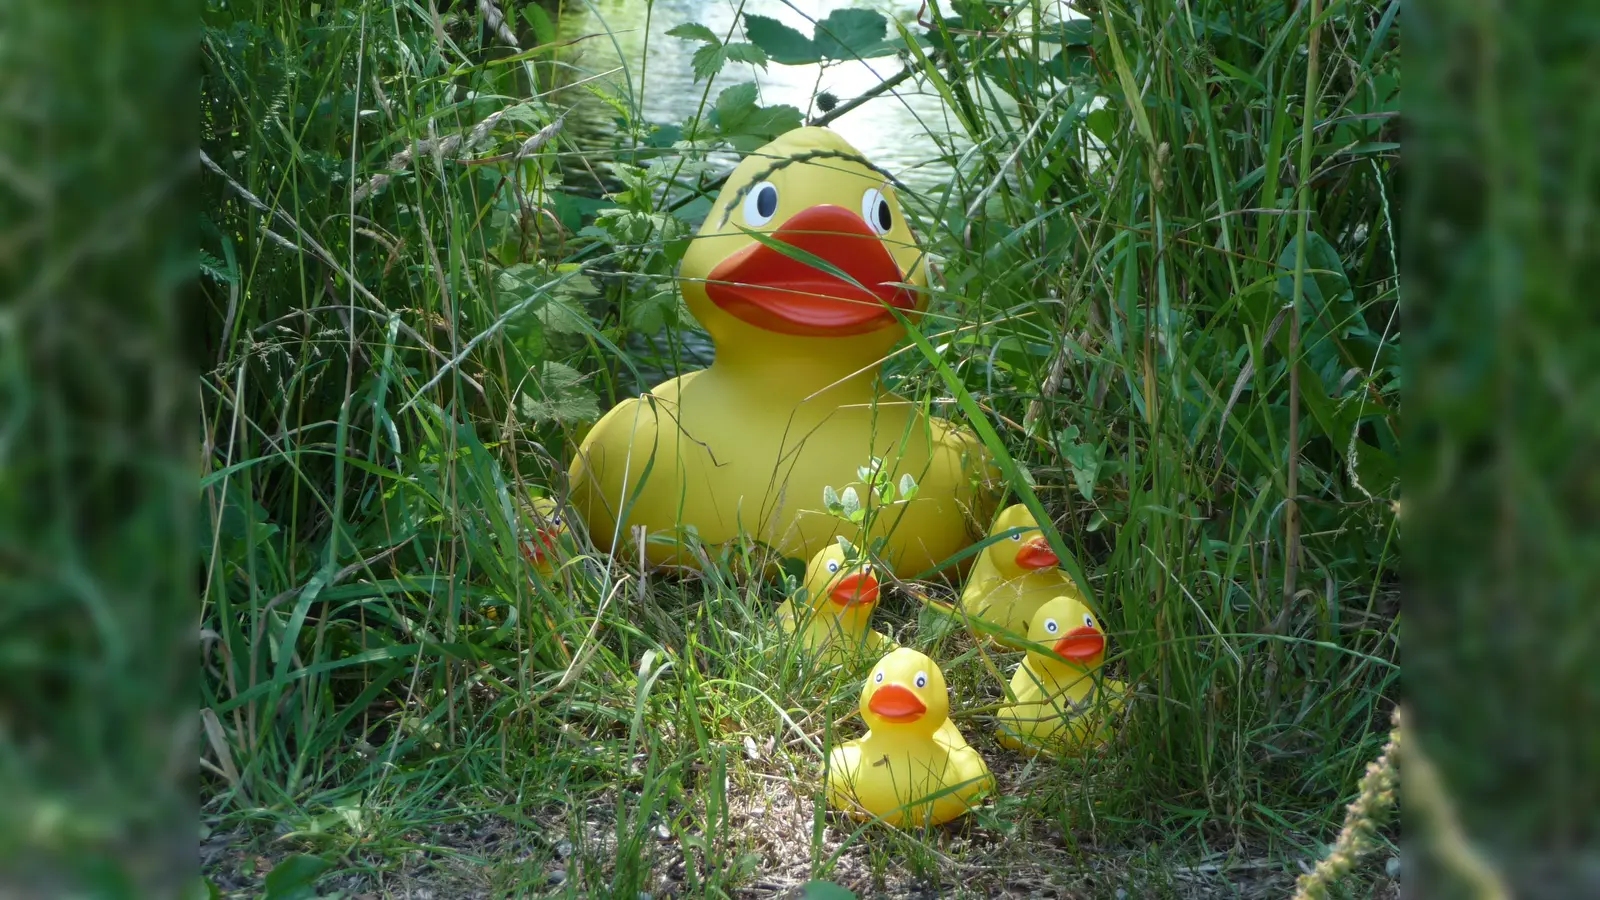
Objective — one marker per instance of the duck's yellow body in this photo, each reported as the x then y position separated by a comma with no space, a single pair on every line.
1063,704
833,611
792,402
1014,576
913,767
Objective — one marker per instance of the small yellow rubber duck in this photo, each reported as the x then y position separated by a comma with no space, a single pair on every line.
542,548
1061,705
833,615
793,401
1013,578
913,766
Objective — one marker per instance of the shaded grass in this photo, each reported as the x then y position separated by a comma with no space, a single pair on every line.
1171,317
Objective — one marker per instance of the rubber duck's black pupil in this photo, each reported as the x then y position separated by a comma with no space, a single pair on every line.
767,201
884,222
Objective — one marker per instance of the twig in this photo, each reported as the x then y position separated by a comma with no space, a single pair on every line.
885,85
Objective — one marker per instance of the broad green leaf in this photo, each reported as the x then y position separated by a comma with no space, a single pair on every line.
850,503
707,62
734,104
825,890
850,34
1324,280
1376,470
742,52
782,44
767,122
694,31
559,396
1074,33
294,877
653,312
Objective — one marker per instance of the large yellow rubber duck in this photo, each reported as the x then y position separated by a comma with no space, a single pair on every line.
792,403
1062,704
1013,577
913,766
833,613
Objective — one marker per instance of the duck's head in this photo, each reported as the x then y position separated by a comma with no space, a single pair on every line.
548,527
1066,626
839,584
1025,550
905,692
813,191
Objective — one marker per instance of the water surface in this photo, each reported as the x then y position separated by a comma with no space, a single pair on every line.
900,130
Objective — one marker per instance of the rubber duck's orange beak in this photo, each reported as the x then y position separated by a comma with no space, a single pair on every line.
855,588
1036,554
896,703
779,293
1082,643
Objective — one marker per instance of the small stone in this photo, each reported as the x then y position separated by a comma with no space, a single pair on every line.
1392,867
663,833
1122,894
556,877
644,895
563,848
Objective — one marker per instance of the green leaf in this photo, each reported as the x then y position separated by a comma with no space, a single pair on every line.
539,21
743,52
1074,33
850,503
734,105
294,877
707,62
764,124
850,34
1376,470
908,487
1102,123
558,396
710,58
782,44
1085,462
1320,287
747,125
825,890
830,500
650,314
694,31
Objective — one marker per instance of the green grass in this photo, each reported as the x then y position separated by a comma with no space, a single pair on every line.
1166,312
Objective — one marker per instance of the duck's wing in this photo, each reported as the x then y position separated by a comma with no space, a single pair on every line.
950,737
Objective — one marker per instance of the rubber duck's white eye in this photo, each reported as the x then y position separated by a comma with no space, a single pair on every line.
875,209
555,520
1088,620
833,565
761,204
1051,626
1017,537
921,680
878,678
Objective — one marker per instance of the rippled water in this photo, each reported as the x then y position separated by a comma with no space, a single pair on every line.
901,130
